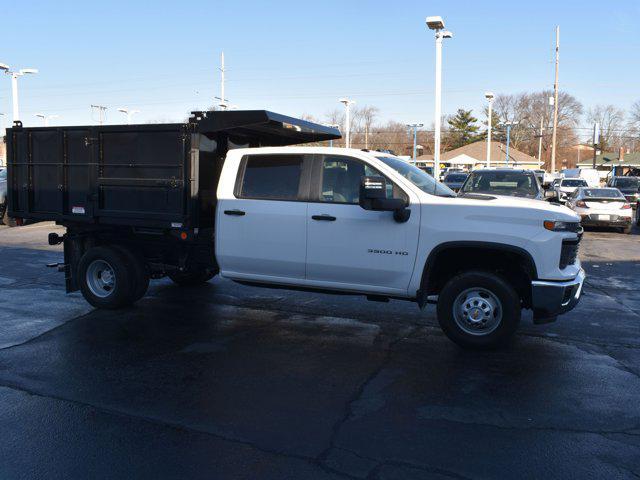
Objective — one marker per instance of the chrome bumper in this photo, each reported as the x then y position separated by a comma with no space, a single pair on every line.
550,299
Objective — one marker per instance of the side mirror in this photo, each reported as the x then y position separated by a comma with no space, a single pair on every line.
373,196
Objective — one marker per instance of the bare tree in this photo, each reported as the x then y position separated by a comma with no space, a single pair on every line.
611,120
528,109
635,114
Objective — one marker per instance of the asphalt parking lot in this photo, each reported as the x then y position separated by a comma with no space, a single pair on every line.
226,381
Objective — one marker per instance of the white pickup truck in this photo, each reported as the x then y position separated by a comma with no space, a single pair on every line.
333,220
367,223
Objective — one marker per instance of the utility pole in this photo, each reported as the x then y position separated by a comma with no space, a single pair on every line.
101,109
555,104
540,141
596,141
366,136
223,100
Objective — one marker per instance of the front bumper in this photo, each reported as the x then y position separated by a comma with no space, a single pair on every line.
550,299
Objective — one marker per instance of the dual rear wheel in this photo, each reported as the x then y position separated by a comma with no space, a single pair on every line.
113,277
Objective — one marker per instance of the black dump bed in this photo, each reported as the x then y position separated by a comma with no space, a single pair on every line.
152,176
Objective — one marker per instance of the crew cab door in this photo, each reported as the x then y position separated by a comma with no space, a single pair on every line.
351,248
262,219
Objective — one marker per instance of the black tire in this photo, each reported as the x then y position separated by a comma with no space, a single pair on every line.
120,293
138,270
503,328
191,278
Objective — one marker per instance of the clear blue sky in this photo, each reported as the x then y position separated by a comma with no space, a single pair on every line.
297,57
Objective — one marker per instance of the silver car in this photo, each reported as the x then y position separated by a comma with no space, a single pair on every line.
601,207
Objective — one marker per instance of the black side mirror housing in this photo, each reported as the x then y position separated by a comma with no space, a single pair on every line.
373,196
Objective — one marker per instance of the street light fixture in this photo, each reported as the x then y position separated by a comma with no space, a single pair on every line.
128,113
46,118
436,23
347,120
14,85
415,127
489,96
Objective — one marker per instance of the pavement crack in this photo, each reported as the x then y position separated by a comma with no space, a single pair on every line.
604,292
348,410
177,426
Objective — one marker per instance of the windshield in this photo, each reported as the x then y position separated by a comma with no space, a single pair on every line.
602,193
419,178
631,182
455,177
517,184
573,183
3,174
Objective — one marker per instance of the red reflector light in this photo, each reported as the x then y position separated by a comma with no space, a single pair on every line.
183,235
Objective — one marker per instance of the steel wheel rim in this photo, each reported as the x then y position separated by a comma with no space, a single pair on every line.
477,311
101,278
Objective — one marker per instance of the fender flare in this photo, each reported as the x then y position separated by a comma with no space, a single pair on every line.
495,246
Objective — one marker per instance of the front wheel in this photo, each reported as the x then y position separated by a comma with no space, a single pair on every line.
478,309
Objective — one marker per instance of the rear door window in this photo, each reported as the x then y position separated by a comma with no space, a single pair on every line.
271,177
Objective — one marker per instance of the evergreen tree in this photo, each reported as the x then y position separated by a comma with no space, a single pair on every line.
463,129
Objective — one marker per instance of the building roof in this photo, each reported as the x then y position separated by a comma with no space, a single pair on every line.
478,151
609,159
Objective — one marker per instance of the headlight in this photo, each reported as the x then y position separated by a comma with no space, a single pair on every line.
562,226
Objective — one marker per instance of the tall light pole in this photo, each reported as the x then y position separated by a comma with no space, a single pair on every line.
128,113
509,125
14,85
101,110
555,104
489,96
223,100
414,127
347,120
436,23
46,118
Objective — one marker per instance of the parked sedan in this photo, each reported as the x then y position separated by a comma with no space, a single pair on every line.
602,207
455,180
503,181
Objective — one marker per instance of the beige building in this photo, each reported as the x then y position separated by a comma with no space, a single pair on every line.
474,155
